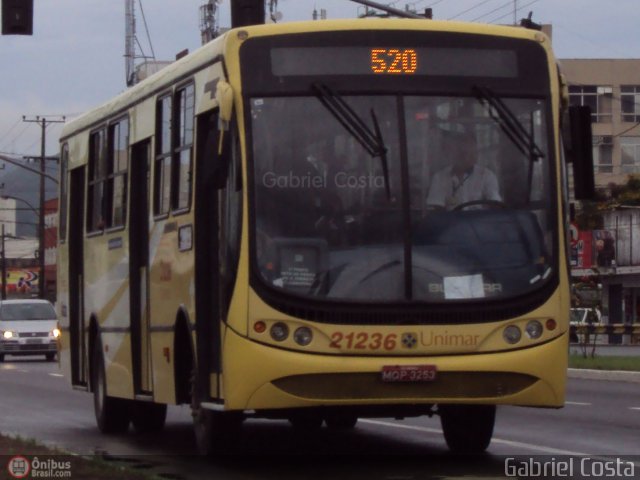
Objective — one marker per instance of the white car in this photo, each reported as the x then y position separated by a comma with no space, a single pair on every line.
583,316
28,327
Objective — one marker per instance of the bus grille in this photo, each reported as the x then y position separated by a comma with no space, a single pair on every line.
369,386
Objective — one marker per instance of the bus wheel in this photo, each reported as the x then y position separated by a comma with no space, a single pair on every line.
467,428
148,416
341,421
215,432
112,414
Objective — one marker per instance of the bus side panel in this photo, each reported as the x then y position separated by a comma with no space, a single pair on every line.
107,298
171,291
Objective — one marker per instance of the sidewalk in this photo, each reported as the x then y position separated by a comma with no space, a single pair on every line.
612,375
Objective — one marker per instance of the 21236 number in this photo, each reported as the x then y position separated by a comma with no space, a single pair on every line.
363,341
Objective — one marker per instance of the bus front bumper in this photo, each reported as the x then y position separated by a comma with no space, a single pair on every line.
261,377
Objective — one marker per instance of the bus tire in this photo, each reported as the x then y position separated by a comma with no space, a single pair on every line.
341,421
214,431
112,414
148,417
467,428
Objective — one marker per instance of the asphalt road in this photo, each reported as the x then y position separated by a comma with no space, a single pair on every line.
601,419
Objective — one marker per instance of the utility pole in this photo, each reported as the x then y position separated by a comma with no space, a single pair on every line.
44,122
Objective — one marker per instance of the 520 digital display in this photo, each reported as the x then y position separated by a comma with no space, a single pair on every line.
394,60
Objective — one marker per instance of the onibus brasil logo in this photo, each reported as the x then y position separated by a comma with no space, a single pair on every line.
19,467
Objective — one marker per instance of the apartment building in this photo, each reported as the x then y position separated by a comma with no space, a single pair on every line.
611,87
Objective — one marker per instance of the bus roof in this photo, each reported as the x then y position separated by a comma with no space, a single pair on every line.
207,53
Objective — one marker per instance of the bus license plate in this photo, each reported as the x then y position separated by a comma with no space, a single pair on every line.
409,373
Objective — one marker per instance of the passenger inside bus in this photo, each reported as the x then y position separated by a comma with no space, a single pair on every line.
463,180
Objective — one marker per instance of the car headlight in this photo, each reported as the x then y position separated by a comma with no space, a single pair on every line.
8,334
55,333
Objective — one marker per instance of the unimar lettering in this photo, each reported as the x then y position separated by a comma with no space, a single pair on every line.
447,339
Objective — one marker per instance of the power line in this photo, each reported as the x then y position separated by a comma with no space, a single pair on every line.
469,9
509,3
10,130
14,139
520,7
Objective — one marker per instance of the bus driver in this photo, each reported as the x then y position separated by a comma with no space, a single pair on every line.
463,180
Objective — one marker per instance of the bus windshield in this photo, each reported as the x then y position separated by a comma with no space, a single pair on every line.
453,204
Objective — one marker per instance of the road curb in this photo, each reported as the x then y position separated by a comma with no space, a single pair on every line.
611,375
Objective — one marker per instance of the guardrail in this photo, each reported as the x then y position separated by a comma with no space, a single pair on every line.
586,331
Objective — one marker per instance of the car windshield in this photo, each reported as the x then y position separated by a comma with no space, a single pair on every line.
27,311
446,204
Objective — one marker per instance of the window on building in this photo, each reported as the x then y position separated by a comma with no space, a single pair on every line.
117,179
630,103
599,98
185,103
630,152
603,154
162,164
96,220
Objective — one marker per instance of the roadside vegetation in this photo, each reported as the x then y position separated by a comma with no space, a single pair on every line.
79,467
599,362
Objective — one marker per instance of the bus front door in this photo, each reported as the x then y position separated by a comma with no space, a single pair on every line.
77,330
139,268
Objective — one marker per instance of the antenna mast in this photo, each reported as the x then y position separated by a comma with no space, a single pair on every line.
209,28
129,41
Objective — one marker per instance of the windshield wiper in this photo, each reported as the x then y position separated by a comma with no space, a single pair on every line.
509,123
371,141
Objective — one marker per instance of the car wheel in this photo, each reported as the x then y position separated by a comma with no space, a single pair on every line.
1,357
50,356
112,414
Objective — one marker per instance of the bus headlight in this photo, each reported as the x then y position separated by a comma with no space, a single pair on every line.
512,334
279,331
303,336
534,329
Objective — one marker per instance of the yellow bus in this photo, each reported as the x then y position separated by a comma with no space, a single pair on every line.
323,221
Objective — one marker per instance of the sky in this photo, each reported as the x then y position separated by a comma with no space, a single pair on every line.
75,59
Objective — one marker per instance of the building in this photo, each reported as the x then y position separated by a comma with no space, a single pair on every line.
50,247
611,256
611,87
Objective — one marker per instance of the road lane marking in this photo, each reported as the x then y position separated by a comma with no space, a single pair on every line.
56,374
577,403
634,408
511,443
